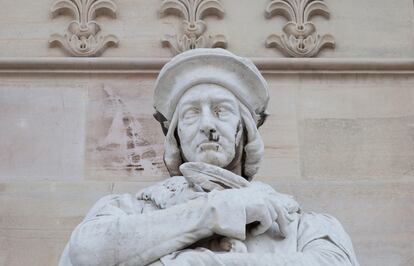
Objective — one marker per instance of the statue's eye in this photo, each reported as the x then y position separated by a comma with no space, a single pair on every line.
190,114
221,111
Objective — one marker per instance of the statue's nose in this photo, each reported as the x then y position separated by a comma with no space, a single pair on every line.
208,129
211,134
207,126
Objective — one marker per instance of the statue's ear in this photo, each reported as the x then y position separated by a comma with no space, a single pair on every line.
254,147
172,154
239,133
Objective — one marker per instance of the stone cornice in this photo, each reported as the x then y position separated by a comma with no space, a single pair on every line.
153,65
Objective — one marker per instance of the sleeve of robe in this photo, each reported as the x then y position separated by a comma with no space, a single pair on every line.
324,238
116,223
112,220
322,241
107,206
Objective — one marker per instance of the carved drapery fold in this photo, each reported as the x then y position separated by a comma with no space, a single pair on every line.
193,26
301,38
84,36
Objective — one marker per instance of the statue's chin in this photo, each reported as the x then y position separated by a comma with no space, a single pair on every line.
215,158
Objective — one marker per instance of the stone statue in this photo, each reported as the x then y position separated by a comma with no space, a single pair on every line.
210,104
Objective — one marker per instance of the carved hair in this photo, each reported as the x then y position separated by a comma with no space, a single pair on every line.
172,154
253,147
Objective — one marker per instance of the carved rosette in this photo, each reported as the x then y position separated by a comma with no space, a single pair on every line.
300,38
83,37
193,32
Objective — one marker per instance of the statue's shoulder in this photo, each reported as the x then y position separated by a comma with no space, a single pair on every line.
312,223
161,195
115,204
313,226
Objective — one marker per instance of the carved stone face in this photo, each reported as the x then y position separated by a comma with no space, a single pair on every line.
208,123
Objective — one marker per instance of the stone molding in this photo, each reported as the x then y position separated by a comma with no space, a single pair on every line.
193,28
300,38
84,36
153,65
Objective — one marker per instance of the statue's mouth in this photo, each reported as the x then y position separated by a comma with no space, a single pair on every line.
210,146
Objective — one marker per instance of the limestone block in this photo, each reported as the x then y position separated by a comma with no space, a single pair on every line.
355,96
370,28
28,247
43,134
380,148
356,127
280,132
37,218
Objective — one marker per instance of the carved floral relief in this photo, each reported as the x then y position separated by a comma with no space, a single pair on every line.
300,38
84,36
193,26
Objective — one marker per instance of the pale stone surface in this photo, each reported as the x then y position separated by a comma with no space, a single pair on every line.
374,148
370,28
356,163
42,134
280,132
357,128
355,96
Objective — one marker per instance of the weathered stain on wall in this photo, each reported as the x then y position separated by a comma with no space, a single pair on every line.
122,142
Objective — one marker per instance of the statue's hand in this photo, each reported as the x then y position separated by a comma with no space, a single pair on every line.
285,206
232,245
260,204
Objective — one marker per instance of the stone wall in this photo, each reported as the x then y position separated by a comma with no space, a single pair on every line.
368,28
340,135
